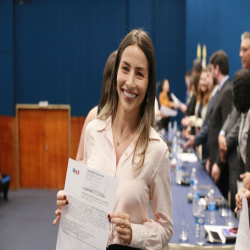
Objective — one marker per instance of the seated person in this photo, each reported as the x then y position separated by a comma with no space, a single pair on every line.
166,99
4,185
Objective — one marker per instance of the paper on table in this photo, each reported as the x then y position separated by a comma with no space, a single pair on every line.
243,238
165,111
84,221
188,157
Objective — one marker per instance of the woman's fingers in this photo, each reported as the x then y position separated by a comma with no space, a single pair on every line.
56,220
61,195
123,216
58,212
121,223
60,203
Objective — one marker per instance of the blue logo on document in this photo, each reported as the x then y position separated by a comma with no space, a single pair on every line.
75,171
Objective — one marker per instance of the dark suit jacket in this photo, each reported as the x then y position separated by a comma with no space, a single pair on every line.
247,166
191,106
221,108
202,137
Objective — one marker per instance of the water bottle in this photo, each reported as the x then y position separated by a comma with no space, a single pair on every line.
200,231
178,169
196,197
179,141
211,208
170,131
174,147
192,178
174,132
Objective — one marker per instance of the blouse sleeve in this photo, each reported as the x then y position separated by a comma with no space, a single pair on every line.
156,234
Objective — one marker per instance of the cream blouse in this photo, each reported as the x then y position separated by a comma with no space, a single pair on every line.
136,188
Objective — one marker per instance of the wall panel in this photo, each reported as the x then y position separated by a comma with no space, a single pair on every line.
6,58
7,147
76,129
61,49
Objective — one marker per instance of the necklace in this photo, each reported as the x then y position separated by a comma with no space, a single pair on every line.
118,143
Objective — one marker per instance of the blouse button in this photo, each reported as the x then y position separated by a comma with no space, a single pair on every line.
126,154
113,174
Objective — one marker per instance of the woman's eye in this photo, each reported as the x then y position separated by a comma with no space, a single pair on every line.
125,68
140,74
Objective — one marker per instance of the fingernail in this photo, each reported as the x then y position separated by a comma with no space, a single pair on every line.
67,202
109,215
65,197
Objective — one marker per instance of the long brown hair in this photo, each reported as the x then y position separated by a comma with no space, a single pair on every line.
106,82
142,40
203,97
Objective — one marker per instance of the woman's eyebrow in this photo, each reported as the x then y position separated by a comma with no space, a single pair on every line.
139,68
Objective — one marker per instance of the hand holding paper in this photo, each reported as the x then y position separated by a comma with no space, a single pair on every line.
243,237
90,195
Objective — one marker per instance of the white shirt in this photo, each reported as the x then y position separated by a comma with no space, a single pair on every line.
136,188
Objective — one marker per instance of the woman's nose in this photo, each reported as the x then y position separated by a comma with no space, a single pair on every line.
130,81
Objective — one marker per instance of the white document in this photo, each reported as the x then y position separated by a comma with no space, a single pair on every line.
243,237
165,111
84,221
188,157
175,99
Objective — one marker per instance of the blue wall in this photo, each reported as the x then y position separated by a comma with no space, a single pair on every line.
56,50
218,24
61,47
6,58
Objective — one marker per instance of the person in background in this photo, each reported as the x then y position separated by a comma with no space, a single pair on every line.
191,106
203,96
202,137
4,185
188,85
194,79
96,110
222,107
239,134
165,99
123,143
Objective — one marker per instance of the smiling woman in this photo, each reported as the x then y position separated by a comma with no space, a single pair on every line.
122,142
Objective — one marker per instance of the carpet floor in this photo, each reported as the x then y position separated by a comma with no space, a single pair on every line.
26,220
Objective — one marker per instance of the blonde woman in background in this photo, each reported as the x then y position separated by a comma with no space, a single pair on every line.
96,110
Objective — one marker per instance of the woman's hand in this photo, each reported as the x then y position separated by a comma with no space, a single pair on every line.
61,201
185,121
123,226
238,199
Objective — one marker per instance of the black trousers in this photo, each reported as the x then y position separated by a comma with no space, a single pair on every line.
121,247
4,187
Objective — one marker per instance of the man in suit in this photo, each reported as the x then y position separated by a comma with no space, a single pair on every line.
233,118
221,108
